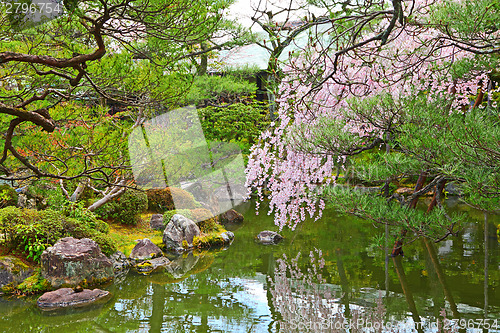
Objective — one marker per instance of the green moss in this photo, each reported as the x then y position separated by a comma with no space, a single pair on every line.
16,265
8,288
206,240
125,237
211,226
34,284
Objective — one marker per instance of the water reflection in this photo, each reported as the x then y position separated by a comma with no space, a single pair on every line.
234,290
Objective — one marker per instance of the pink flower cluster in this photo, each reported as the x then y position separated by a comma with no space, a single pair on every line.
415,60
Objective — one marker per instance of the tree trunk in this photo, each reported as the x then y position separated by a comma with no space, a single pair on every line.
117,190
78,191
397,250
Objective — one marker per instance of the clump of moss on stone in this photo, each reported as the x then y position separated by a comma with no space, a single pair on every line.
211,226
34,284
208,240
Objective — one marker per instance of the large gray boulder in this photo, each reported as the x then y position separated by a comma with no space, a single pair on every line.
71,262
13,271
269,237
179,233
70,298
145,249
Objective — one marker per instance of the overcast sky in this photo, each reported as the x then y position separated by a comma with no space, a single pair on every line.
243,10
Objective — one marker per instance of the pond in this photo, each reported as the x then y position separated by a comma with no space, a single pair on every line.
240,289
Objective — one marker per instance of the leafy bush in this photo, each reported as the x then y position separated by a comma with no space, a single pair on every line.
160,200
201,214
8,196
46,194
240,122
79,212
126,208
33,231
215,89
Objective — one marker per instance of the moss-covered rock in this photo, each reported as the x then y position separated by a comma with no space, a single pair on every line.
152,266
12,272
34,284
72,262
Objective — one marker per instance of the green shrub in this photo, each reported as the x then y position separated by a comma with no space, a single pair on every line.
78,211
33,231
126,208
238,122
8,196
160,200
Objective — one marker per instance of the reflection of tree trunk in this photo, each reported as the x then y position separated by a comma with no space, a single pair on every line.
441,277
344,282
485,265
407,292
435,289
156,319
397,250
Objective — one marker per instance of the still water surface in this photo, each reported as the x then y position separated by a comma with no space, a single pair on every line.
230,290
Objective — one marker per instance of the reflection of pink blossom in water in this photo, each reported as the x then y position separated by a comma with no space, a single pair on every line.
307,304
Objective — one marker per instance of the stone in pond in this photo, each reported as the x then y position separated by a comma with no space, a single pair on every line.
152,266
120,261
227,237
71,262
231,216
179,233
69,298
269,237
145,249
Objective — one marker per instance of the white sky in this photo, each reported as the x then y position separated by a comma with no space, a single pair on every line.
243,10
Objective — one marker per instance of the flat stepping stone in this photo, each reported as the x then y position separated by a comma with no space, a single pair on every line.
65,298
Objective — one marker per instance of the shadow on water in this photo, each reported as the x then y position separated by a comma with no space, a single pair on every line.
234,289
